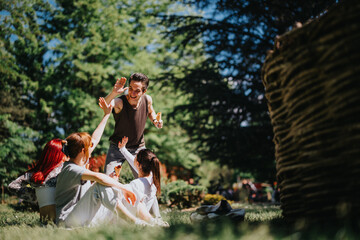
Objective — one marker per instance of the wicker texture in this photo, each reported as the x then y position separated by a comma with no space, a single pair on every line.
312,84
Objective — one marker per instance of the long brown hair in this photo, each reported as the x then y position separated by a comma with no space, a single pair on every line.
76,142
150,163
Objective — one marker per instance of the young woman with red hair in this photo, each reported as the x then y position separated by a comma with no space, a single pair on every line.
42,177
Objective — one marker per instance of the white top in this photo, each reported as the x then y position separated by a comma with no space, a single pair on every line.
45,196
143,188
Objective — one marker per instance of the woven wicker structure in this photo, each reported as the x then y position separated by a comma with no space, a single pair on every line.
312,83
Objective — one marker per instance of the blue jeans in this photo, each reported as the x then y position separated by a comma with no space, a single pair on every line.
115,158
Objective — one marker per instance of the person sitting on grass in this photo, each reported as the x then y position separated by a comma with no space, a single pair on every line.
147,167
78,203
42,178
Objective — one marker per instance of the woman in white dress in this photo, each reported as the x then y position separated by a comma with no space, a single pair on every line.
147,186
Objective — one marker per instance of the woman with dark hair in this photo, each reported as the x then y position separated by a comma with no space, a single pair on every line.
42,177
147,186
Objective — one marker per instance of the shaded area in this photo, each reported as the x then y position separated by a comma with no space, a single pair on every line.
312,87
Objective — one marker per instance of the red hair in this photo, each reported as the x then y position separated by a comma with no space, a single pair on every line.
51,157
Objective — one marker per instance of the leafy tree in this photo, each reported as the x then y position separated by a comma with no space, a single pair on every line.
15,149
59,57
21,111
98,42
226,110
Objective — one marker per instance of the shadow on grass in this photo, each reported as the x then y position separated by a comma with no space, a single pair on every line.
24,207
270,228
315,229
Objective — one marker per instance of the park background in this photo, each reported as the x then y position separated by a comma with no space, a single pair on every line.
203,59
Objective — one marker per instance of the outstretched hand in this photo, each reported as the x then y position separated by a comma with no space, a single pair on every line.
119,86
123,142
104,106
129,196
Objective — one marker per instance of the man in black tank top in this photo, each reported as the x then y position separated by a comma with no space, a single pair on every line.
130,113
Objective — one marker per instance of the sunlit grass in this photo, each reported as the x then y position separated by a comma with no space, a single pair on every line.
261,222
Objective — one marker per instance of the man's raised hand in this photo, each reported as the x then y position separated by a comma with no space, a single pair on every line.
119,86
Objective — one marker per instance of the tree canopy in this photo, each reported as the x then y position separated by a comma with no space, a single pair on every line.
59,57
227,111
203,59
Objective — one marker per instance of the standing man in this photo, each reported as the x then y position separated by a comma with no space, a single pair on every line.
130,113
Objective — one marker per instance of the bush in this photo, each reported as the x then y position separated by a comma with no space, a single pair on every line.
181,194
211,199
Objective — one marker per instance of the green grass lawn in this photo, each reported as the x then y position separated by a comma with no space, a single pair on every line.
261,222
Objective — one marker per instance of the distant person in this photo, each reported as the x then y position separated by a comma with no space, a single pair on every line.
130,114
42,177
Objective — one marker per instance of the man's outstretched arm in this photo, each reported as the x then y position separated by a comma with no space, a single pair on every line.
117,90
152,114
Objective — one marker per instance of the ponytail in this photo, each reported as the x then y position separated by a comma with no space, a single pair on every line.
155,169
149,162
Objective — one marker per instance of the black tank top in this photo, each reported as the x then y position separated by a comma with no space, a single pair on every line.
130,123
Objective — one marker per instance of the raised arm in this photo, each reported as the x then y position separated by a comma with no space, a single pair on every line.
152,114
117,90
128,156
96,136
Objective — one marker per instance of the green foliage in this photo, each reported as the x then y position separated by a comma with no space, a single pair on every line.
126,175
16,149
181,194
227,111
212,199
172,144
213,175
59,57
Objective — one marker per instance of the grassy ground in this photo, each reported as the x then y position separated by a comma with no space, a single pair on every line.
261,222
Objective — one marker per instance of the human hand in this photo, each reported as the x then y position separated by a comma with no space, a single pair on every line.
117,170
123,142
129,196
113,175
119,86
116,173
158,124
104,106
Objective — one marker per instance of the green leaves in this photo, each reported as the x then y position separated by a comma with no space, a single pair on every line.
58,58
16,149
